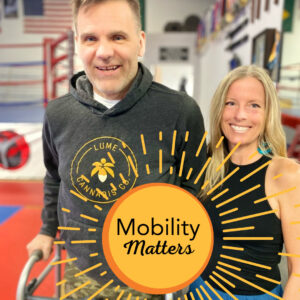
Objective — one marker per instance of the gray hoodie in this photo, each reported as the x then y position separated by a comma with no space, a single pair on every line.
93,155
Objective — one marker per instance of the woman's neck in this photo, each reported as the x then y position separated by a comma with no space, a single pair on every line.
245,155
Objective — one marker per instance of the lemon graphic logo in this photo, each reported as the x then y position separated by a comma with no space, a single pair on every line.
103,168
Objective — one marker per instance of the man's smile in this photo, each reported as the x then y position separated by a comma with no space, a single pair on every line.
108,68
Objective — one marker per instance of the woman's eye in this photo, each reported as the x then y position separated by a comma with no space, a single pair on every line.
255,105
229,103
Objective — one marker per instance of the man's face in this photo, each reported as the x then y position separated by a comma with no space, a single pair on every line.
109,43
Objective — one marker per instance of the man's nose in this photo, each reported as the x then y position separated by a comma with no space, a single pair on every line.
105,50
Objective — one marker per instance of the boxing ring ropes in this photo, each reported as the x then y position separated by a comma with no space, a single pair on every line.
51,78
51,64
23,97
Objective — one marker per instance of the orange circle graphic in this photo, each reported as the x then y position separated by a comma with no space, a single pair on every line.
157,238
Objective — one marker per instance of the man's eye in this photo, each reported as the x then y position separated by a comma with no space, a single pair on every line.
90,38
118,37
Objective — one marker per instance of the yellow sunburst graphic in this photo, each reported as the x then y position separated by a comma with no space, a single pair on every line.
227,266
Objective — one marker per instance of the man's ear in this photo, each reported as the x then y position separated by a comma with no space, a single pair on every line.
142,44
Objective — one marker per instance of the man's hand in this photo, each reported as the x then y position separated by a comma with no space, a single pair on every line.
42,242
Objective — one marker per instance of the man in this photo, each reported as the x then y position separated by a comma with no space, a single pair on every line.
104,137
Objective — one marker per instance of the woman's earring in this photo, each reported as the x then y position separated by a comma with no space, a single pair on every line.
266,149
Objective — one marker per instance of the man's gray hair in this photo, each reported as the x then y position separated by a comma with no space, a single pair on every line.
134,5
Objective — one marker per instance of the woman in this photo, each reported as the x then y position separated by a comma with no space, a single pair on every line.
250,227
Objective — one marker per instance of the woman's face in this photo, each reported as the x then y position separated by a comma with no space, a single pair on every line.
243,116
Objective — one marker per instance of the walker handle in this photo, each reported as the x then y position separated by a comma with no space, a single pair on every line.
34,257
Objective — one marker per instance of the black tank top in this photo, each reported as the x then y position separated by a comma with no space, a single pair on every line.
262,253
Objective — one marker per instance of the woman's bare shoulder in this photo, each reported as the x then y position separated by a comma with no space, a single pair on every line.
284,171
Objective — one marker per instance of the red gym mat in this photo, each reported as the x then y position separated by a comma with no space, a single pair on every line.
16,232
21,192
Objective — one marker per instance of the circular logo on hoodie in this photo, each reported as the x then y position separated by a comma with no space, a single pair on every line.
103,169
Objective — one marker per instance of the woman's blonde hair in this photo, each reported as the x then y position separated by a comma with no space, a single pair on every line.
272,137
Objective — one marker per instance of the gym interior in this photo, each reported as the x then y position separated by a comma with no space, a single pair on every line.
190,46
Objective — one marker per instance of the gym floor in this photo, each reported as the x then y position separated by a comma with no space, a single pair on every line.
20,218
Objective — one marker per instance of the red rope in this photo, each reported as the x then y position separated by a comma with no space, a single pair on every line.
59,40
14,83
289,120
20,45
60,78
